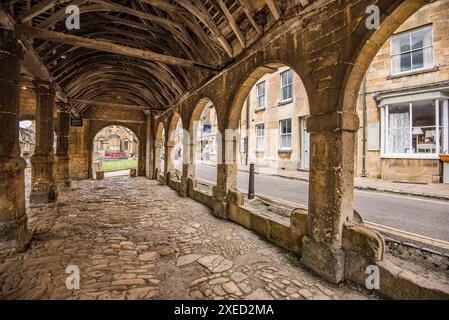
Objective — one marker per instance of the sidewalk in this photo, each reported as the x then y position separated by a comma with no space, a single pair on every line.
431,190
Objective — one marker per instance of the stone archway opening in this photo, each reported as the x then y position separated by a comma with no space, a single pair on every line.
27,143
269,119
203,133
175,147
115,151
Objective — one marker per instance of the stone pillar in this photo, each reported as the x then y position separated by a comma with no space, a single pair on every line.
62,148
150,167
142,153
188,165
43,185
157,159
226,171
13,219
168,159
331,192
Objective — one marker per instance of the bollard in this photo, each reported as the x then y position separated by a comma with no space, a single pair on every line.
251,181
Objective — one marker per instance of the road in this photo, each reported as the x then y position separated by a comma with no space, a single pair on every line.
425,217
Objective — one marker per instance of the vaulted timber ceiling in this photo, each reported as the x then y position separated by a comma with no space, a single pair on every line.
140,52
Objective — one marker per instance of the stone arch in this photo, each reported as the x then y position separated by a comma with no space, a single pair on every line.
171,143
371,43
159,145
244,87
199,106
97,128
241,93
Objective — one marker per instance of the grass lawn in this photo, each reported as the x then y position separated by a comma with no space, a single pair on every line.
115,165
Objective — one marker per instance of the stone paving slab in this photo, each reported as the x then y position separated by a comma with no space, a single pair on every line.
136,239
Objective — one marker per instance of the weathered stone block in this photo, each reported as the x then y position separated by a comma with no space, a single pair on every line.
363,241
328,263
99,175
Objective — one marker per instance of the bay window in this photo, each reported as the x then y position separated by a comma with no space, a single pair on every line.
260,137
286,134
412,50
416,129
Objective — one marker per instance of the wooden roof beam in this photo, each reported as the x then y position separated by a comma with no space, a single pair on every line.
232,23
38,9
274,9
247,9
111,47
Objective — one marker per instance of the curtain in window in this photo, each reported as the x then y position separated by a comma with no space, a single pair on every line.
399,132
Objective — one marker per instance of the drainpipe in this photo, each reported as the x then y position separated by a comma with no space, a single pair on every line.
363,96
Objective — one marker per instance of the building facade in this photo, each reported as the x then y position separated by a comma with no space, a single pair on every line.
273,123
116,139
207,128
27,142
403,105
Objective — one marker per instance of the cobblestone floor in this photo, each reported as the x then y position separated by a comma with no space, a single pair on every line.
135,239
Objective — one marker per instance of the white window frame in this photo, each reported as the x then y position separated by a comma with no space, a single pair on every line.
285,134
440,121
410,32
258,107
260,137
284,86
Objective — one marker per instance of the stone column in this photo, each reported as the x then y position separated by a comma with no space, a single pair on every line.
13,219
226,171
331,191
169,146
62,148
188,164
150,167
142,152
43,185
157,159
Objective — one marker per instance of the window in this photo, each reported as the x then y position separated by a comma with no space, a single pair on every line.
412,50
415,129
286,134
100,145
260,137
126,145
260,88
287,85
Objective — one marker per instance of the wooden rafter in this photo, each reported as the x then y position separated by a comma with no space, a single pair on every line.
109,47
274,9
232,23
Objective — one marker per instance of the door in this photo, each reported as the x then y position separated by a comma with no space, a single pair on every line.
305,144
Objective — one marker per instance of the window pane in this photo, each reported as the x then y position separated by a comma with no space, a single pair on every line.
399,129
396,64
401,44
405,61
421,38
284,93
428,57
424,130
417,59
283,79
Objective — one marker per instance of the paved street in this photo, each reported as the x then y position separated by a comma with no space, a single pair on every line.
136,239
425,217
